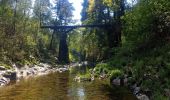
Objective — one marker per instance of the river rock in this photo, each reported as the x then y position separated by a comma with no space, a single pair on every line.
4,81
44,65
83,79
103,76
2,72
167,92
116,81
132,87
92,77
60,71
12,75
18,73
142,97
125,81
72,65
2,68
136,90
24,73
83,64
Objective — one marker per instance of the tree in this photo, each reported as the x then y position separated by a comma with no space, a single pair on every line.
63,10
104,12
19,30
84,12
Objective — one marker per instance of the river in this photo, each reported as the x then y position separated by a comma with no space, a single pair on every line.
60,86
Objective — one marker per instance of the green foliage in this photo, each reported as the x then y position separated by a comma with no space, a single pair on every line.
144,49
75,45
98,42
107,69
138,68
143,22
102,68
73,70
158,96
115,73
87,75
6,66
20,37
82,74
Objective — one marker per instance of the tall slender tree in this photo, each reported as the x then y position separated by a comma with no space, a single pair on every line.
84,12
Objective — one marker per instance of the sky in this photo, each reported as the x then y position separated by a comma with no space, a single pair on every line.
77,4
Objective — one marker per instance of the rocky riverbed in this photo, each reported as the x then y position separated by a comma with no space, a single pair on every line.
15,74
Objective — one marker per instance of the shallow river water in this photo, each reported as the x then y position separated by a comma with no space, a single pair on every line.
60,86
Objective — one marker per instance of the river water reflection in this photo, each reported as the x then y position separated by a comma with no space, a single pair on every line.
60,86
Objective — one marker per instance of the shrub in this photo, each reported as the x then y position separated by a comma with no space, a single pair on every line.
116,73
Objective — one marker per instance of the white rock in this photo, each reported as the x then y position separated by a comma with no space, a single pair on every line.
142,97
4,81
125,81
2,68
92,78
136,90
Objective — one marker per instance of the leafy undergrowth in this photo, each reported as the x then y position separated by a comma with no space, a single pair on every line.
149,68
86,74
107,70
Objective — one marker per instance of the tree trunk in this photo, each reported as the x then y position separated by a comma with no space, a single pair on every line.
111,37
63,48
51,42
118,26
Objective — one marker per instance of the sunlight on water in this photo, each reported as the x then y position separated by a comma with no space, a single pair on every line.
59,86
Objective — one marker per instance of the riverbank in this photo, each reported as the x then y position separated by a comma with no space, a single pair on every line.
143,85
116,77
15,73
